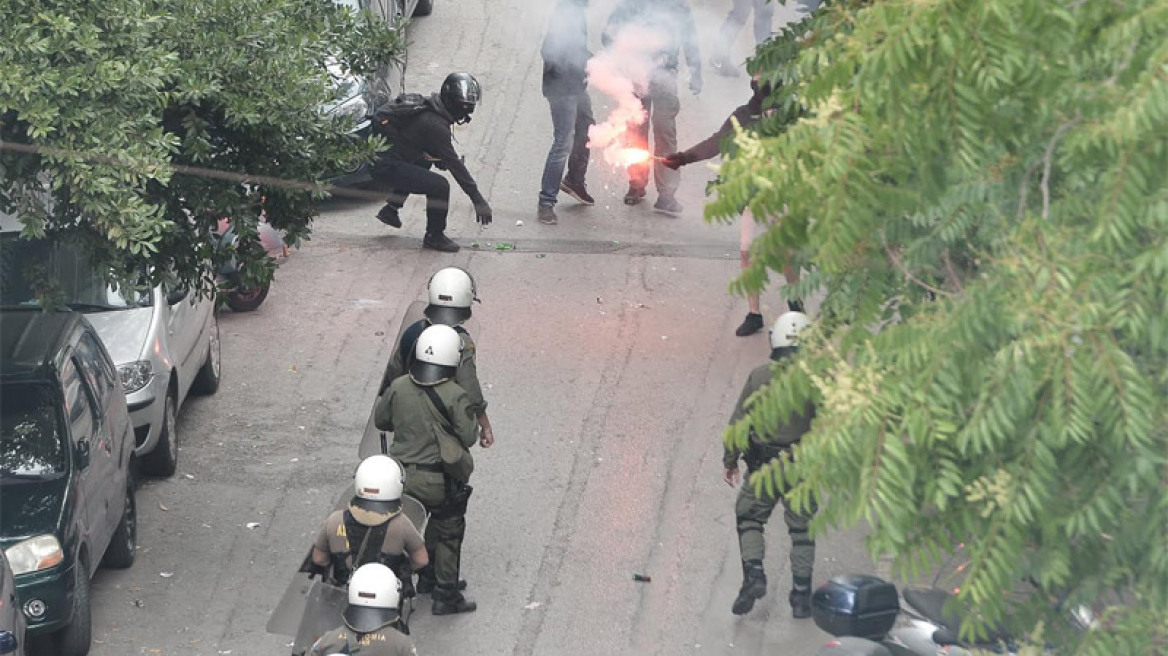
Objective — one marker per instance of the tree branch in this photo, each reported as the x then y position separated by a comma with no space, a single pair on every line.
896,262
1048,161
952,277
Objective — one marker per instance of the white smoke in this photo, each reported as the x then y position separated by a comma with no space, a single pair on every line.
622,71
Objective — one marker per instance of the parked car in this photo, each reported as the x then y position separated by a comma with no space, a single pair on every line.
66,484
164,342
358,96
12,622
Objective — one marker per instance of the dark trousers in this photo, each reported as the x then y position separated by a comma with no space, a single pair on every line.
571,118
661,107
444,531
753,511
400,179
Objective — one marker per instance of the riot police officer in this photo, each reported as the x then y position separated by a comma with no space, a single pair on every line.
371,618
434,426
450,293
372,529
753,511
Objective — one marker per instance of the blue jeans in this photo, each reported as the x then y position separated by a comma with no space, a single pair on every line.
571,118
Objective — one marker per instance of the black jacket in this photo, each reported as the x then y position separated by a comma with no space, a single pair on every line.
711,146
428,133
669,20
565,50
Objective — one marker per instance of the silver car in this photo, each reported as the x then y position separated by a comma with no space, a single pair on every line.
165,345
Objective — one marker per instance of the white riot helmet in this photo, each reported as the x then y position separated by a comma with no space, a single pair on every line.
436,355
451,291
374,598
786,330
378,483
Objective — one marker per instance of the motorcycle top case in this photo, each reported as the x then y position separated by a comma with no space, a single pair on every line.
856,605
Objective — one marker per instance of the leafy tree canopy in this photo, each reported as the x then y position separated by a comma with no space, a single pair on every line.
979,190
112,111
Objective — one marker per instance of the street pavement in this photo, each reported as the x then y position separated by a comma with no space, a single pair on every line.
607,355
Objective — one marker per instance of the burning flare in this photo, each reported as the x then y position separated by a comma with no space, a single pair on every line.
627,157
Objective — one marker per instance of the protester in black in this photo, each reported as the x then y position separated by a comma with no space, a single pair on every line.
746,116
419,141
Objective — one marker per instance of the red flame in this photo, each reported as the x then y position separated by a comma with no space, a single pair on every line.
627,157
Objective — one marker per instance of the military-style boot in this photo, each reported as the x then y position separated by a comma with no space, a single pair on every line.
754,586
800,599
426,585
448,602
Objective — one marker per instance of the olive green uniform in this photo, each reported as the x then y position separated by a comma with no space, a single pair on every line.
752,510
406,409
385,641
467,376
401,539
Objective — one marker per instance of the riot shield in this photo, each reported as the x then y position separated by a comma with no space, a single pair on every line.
374,441
322,613
285,618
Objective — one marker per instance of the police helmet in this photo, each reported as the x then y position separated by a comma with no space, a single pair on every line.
436,355
374,598
460,94
379,483
451,292
786,330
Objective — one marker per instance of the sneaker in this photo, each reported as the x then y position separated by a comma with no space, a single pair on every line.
439,242
668,205
388,216
795,306
750,325
547,215
577,191
724,68
634,195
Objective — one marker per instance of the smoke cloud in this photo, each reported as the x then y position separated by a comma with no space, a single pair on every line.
621,71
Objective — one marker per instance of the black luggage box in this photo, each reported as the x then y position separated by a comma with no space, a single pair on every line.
856,605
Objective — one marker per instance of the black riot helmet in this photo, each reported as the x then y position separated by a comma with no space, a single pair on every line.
460,94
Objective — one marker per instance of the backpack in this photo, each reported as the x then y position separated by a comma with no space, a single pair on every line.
390,118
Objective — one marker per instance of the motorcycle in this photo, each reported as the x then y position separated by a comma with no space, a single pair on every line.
866,616
238,297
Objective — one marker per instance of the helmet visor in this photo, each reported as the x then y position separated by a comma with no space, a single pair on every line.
447,316
364,619
427,373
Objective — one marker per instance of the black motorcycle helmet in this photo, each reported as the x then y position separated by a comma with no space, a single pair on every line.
460,93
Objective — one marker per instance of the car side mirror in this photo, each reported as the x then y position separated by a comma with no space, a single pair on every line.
176,295
8,642
82,452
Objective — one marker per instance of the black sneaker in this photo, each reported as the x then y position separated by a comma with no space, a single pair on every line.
795,306
634,195
668,205
750,325
388,216
547,215
439,242
577,191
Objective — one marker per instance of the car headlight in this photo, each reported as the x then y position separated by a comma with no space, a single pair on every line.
135,375
34,554
355,109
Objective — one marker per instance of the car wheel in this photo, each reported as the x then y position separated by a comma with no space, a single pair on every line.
74,639
207,379
124,545
424,8
163,460
246,300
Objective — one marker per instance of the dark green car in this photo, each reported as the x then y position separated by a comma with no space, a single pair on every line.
66,488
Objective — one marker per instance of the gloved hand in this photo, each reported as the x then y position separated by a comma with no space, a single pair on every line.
483,214
675,160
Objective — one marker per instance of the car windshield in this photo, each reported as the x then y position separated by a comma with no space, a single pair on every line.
31,442
26,263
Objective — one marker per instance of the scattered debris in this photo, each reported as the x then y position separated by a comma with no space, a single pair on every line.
380,333
189,477
162,507
504,246
599,300
643,578
252,525
519,223
532,606
166,575
137,603
541,255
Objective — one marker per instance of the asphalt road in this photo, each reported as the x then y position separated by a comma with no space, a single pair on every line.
608,357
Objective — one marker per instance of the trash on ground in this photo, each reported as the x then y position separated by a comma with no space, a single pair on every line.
532,606
252,525
166,575
642,578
